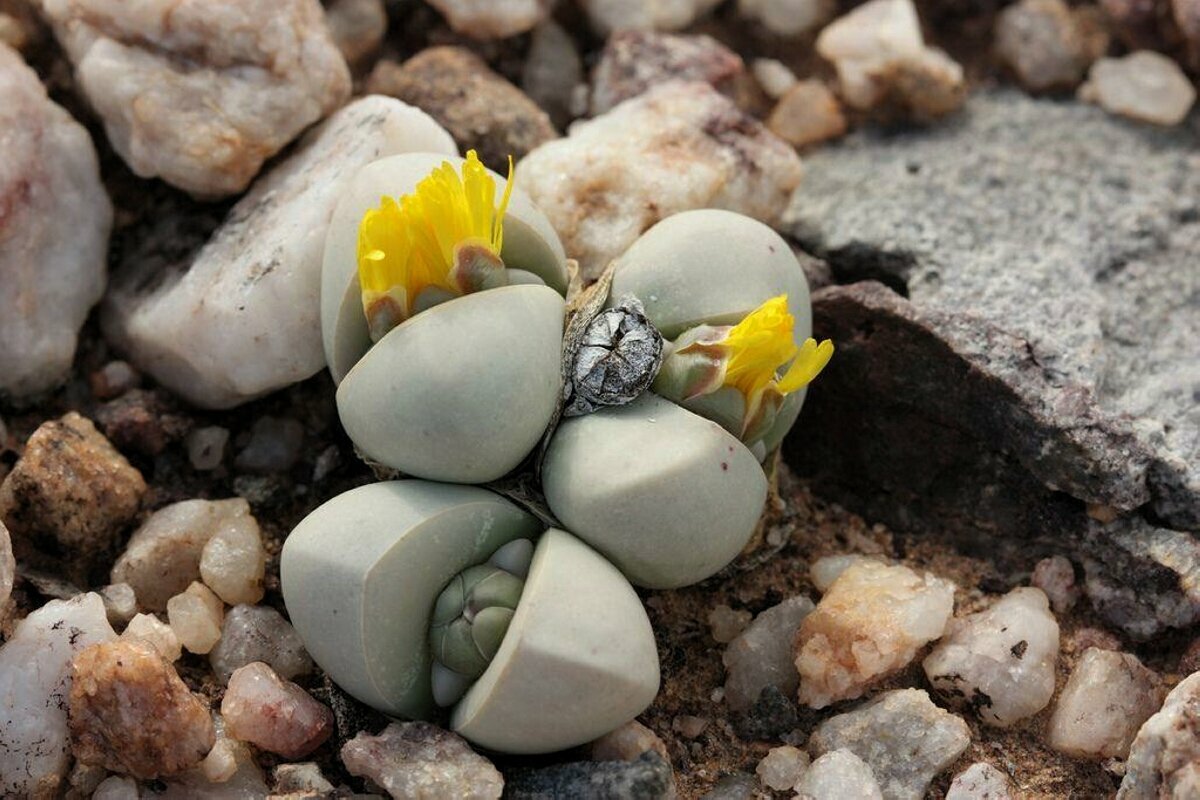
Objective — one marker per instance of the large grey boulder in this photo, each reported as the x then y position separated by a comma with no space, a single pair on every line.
1044,359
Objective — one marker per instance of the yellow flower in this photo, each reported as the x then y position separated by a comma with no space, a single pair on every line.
746,357
443,240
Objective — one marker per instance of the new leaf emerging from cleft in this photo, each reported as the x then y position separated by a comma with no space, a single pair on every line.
732,374
440,242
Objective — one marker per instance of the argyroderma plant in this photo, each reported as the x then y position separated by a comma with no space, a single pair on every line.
445,325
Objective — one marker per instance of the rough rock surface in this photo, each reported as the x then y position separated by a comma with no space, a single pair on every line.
782,767
903,737
72,493
229,772
1145,86
1164,761
130,712
35,670
196,615
479,108
999,662
627,743
357,27
1043,43
1107,698
1141,578
648,777
1025,382
870,623
416,759
493,19
150,630
53,232
662,15
232,318
273,714
553,73
1056,577
679,146
725,623
163,556
762,655
259,633
8,566
233,562
980,781
883,62
837,775
633,61
201,93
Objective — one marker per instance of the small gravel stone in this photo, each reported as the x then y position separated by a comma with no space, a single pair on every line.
762,655
130,712
648,777
233,562
838,775
627,743
143,421
1056,577
35,665
85,778
870,623
773,76
113,380
480,109
688,726
229,772
201,94
788,18
357,27
416,759
1041,42
999,663
980,781
738,786
882,61
660,15
8,566
1083,638
633,61
726,623
809,113
903,737
302,779
54,230
163,555
71,493
206,447
274,446
150,630
824,571
1145,86
1107,698
772,715
492,19
553,71
274,714
1164,761
258,633
120,603
679,146
196,616
116,788
782,767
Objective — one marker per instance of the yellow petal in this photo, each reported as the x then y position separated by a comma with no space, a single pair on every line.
809,362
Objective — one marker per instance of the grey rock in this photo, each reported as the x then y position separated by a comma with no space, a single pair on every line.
553,71
738,786
1047,255
259,633
771,715
416,759
1141,578
1164,758
648,777
763,654
632,61
980,781
274,446
901,735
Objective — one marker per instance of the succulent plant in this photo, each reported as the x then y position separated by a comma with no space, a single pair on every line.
412,594
669,487
442,317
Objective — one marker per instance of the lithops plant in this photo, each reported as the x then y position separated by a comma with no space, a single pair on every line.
442,317
670,487
416,596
